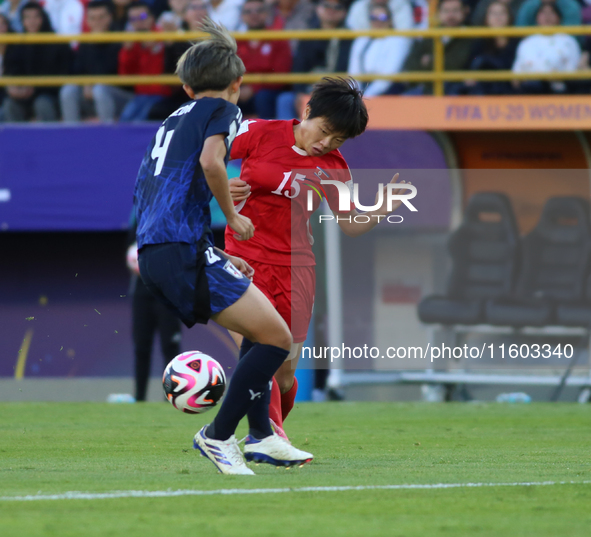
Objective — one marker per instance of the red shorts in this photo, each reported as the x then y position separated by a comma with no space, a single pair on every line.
291,290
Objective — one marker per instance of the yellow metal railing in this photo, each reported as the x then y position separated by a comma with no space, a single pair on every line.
437,76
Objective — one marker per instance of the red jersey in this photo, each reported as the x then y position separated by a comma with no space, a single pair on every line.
143,59
280,175
265,57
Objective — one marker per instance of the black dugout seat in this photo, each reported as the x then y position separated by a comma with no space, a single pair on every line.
483,252
576,313
554,267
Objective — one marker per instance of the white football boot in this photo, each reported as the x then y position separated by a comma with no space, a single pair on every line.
225,454
274,450
278,430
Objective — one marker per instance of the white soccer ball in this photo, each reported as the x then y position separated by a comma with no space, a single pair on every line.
194,382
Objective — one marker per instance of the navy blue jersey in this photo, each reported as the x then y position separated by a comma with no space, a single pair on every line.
171,194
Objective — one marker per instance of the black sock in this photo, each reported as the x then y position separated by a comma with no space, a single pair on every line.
245,347
258,419
259,425
249,384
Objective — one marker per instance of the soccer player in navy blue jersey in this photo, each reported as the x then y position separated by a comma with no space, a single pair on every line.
184,165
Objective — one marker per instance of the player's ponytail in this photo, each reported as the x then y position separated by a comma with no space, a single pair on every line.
219,35
211,64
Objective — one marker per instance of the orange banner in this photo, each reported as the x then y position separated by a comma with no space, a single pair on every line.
480,113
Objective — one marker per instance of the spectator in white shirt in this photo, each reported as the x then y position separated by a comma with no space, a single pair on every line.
384,55
402,14
546,53
226,12
66,16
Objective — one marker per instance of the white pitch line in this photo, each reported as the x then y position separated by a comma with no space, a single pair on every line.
230,492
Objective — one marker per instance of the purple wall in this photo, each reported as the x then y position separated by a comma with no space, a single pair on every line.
64,178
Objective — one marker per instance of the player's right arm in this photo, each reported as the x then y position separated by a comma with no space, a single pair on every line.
214,169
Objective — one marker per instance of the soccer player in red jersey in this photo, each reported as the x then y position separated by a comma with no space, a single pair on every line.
280,160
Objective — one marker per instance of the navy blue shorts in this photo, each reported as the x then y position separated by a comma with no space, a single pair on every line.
193,280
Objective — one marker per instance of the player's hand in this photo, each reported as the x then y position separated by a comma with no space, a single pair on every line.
242,266
242,225
239,189
396,203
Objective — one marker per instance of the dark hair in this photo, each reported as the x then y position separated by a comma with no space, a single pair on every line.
211,64
340,101
140,3
96,4
46,24
552,6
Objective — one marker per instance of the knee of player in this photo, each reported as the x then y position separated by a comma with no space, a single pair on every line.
282,337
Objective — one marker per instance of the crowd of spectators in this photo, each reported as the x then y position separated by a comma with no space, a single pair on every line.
364,55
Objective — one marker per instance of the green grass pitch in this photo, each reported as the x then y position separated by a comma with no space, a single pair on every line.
58,447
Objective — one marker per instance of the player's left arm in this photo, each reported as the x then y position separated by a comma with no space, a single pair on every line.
239,189
351,228
214,168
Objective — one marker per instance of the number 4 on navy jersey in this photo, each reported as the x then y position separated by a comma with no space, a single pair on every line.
160,148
